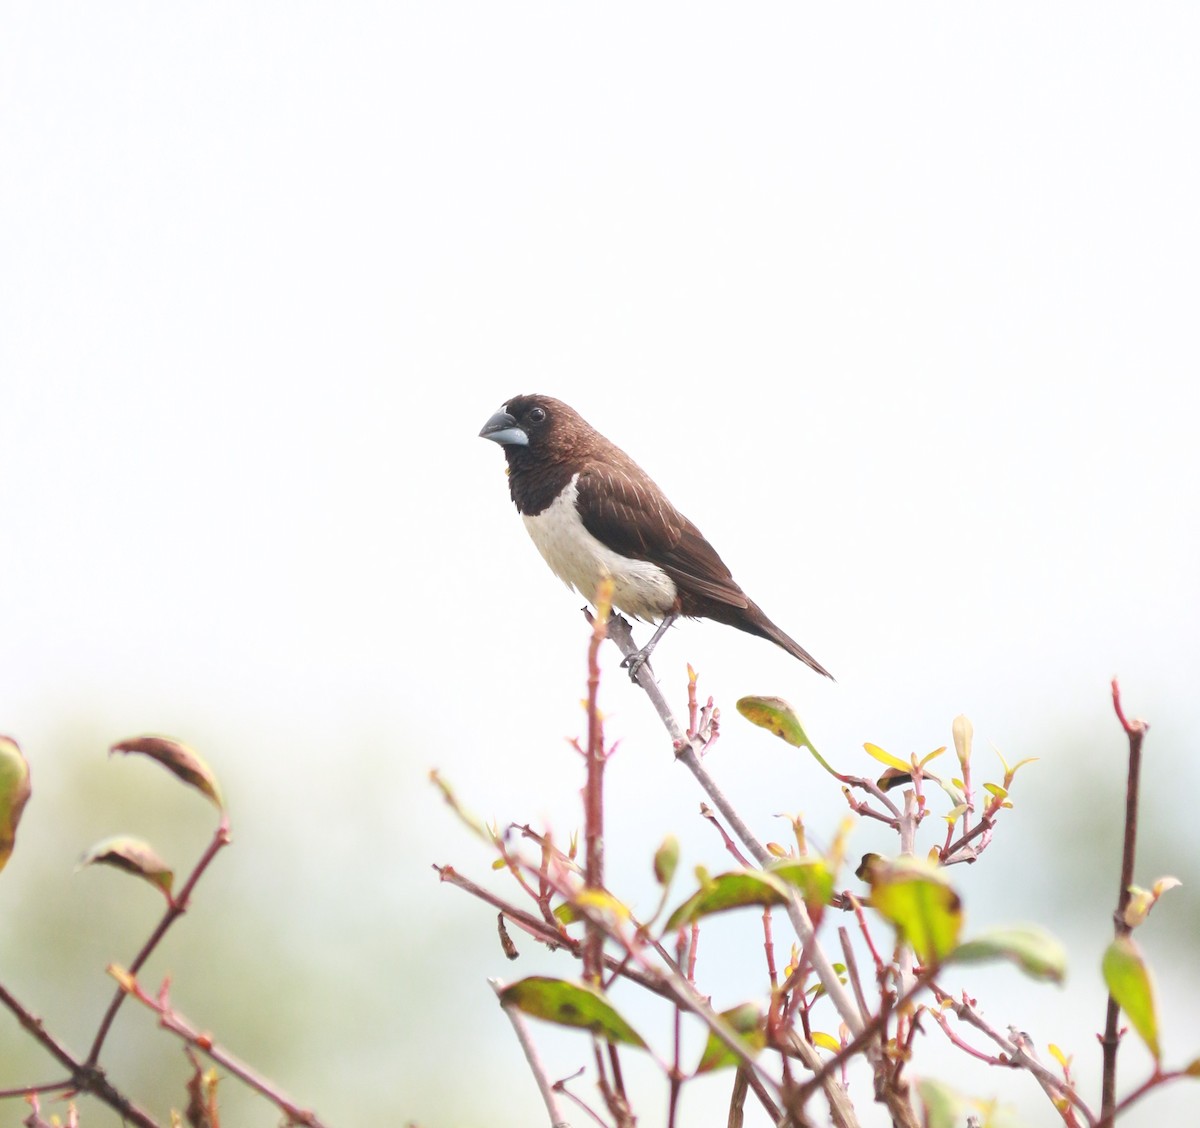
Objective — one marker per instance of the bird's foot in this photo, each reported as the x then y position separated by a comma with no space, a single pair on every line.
635,661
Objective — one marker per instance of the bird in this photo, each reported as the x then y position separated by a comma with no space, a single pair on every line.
594,513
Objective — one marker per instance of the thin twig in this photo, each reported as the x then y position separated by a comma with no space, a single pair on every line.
539,930
544,1084
171,1020
1054,1086
176,909
685,751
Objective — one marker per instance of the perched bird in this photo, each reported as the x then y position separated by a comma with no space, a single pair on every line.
593,512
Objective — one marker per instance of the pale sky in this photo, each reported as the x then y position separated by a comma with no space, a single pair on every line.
898,303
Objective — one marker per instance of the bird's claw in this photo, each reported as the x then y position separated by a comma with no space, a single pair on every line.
634,663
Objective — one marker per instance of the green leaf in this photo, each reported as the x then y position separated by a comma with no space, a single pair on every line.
14,794
666,859
599,902
178,759
942,1106
133,856
883,757
777,716
1037,953
747,1021
945,1108
919,901
1128,981
570,1004
732,890
567,913
811,876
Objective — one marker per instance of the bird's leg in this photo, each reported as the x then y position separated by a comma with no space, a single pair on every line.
639,658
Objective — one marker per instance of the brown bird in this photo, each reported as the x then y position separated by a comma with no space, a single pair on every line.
594,513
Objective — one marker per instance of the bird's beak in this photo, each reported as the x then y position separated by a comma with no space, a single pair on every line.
502,428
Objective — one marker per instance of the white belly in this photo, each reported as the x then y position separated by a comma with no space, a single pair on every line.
640,589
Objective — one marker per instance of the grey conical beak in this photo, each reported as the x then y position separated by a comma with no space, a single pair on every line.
502,428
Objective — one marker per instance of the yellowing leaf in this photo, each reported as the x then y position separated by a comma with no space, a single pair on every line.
883,757
1060,1057
777,716
570,1004
598,901
825,1041
932,755
1141,901
566,913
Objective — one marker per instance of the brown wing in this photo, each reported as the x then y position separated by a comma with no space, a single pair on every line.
631,515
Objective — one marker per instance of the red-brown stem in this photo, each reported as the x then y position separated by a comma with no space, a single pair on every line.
769,947
676,1078
1151,1083
84,1078
175,910
986,822
1017,1057
966,1046
539,930
1110,1043
170,1020
707,812
866,932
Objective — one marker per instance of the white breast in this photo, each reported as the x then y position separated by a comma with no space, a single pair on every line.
640,589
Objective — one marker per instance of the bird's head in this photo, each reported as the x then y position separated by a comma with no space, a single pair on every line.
531,427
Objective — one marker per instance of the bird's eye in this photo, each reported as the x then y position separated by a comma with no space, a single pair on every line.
536,414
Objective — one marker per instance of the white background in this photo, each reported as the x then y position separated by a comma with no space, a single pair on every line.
897,302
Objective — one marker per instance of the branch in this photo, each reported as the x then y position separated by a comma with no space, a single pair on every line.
85,1077
686,752
539,930
545,1086
593,791
171,1020
177,907
1054,1087
1110,1042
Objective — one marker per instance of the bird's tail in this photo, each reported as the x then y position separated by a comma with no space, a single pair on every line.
757,623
